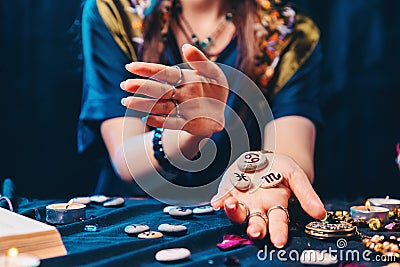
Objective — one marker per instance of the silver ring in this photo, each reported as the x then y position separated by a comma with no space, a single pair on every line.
246,208
173,91
177,114
10,206
279,208
259,214
178,82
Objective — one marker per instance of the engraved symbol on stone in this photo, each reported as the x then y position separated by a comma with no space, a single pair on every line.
241,176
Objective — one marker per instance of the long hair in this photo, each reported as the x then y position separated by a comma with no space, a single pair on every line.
159,22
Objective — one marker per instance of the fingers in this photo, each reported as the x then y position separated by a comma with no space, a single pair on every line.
257,227
152,106
236,212
166,122
309,200
278,227
198,61
148,87
156,72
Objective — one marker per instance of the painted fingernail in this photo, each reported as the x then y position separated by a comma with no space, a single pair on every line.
184,46
123,101
122,85
127,66
326,217
279,246
217,208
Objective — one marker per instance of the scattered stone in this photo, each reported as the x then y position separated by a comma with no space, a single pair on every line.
114,202
240,180
91,228
181,213
168,208
172,254
267,179
81,200
99,199
203,210
135,229
172,229
150,235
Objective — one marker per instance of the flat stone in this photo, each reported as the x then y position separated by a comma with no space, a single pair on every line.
81,200
181,213
134,229
267,179
239,179
114,202
99,199
172,254
168,208
150,235
252,161
203,210
172,229
316,257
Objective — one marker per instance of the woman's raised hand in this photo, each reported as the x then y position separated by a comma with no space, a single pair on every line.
181,99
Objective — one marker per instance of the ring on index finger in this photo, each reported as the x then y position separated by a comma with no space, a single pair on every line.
173,92
246,208
178,82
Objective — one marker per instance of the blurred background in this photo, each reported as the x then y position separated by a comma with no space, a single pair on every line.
40,91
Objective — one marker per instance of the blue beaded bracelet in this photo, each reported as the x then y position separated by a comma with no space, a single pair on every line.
160,155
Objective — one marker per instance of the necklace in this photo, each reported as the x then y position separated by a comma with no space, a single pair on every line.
207,42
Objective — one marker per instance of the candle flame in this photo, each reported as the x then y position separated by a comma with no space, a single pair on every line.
12,252
367,205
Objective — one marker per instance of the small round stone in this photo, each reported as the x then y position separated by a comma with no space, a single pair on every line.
181,213
172,229
135,229
91,228
172,254
150,235
99,199
267,179
168,208
203,210
239,179
252,161
114,202
81,200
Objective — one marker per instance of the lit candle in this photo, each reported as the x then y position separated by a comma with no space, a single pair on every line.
390,203
367,212
15,259
63,213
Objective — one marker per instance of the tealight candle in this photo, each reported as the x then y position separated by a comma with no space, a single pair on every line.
368,212
389,203
15,259
63,213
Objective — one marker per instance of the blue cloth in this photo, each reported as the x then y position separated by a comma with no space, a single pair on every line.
104,69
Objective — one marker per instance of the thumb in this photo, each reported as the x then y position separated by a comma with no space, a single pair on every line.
199,61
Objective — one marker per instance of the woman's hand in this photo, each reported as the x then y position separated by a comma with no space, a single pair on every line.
189,99
236,202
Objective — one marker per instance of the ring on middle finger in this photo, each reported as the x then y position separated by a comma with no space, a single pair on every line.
259,214
173,92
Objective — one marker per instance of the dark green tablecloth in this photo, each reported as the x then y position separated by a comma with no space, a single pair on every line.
112,247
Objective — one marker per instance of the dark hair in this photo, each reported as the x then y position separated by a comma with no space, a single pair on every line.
157,24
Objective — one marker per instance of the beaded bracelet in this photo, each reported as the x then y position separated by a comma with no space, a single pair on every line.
159,153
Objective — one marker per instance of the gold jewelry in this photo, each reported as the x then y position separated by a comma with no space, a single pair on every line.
258,214
280,208
323,230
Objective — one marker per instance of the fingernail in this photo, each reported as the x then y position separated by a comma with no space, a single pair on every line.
231,206
122,85
256,234
217,208
279,246
326,217
123,101
127,66
184,46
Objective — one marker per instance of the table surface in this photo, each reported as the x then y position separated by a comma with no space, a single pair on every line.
110,246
